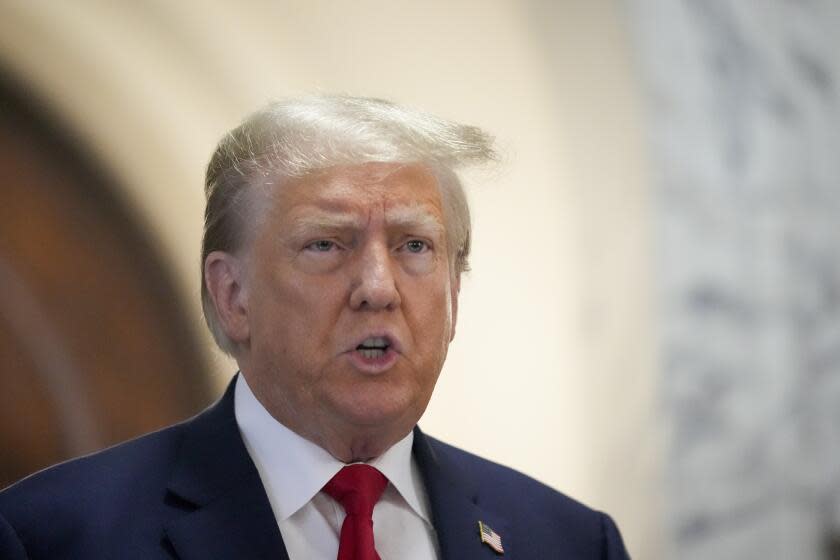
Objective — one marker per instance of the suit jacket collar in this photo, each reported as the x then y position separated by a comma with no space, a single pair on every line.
226,513
226,510
456,505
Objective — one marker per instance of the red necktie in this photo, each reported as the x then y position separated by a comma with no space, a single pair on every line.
357,488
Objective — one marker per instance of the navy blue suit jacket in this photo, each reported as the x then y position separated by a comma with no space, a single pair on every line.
191,492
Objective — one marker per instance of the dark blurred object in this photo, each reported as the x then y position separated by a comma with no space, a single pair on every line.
95,347
832,547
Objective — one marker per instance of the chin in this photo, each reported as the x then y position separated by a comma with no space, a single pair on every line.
378,412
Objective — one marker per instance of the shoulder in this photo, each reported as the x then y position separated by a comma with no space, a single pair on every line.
91,495
553,520
124,466
508,486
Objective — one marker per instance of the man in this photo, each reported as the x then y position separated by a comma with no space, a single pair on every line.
336,233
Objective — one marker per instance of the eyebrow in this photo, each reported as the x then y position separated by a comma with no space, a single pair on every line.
414,217
405,217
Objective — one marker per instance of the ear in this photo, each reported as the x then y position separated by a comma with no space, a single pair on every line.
224,277
455,288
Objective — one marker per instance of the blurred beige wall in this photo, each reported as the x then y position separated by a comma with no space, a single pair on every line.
552,369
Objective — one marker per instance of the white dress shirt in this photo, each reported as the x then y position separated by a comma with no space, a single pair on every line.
293,471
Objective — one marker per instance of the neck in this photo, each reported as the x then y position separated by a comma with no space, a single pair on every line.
358,447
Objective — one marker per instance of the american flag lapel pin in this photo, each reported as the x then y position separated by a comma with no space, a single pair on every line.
490,537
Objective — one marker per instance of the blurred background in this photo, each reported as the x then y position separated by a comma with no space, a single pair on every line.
652,323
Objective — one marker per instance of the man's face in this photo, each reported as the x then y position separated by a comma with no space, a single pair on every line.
350,304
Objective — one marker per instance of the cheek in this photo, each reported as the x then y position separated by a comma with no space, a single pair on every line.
434,315
288,309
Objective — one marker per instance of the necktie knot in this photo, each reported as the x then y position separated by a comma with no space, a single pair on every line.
357,488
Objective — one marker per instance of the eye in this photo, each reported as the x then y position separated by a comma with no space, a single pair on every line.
416,246
321,246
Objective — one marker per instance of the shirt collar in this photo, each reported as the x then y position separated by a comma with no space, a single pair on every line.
294,470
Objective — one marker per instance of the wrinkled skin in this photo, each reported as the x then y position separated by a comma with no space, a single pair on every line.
334,257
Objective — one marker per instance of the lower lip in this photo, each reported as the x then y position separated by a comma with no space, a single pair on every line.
373,365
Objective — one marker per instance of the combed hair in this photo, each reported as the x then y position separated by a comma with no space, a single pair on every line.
294,137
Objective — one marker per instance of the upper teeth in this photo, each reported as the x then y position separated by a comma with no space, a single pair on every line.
375,342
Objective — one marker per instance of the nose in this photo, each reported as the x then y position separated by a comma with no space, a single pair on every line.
374,283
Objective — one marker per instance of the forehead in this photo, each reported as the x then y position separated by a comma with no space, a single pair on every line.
399,189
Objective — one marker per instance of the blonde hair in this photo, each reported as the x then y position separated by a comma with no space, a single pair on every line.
294,137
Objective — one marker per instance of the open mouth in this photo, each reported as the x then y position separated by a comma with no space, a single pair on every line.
373,347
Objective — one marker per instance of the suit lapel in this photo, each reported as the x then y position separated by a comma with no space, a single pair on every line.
456,507
237,525
226,513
